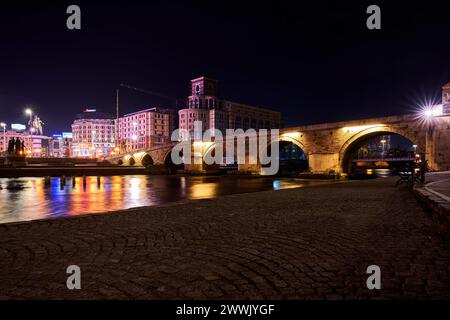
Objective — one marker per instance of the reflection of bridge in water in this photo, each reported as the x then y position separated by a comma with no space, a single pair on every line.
330,147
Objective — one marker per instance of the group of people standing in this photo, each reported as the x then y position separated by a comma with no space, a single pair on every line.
16,147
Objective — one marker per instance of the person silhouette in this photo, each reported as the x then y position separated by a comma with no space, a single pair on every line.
17,146
11,146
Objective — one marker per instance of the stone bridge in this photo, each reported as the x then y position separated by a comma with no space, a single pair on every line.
328,146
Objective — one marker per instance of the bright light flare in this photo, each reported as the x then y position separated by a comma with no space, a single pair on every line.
428,109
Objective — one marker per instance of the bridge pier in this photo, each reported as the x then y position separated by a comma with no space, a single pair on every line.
194,168
323,162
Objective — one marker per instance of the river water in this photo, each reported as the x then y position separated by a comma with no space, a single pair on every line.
24,199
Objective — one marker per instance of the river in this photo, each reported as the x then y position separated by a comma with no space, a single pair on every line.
24,199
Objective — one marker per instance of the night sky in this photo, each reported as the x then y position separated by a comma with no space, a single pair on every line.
315,61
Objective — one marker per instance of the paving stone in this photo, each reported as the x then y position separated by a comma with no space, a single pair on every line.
307,243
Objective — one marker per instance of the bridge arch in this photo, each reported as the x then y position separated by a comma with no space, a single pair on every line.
292,157
171,167
361,136
147,160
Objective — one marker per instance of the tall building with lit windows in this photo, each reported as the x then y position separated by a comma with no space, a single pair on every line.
93,134
144,129
203,104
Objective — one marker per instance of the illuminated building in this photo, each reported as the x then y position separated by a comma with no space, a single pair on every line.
60,145
35,145
144,129
92,134
204,105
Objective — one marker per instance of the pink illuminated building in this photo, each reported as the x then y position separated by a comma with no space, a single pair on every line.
204,105
144,129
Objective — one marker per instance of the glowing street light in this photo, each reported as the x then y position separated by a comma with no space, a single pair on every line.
29,112
429,112
383,142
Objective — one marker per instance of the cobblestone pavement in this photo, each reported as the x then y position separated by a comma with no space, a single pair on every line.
308,243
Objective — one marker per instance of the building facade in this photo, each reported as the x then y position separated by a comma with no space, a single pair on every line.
446,98
144,129
204,105
36,146
60,145
93,134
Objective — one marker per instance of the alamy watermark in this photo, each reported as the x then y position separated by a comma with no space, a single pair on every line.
241,147
74,280
374,280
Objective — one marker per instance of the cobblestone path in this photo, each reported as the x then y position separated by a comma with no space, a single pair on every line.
308,243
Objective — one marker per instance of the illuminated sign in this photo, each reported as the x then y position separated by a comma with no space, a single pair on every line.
18,127
67,135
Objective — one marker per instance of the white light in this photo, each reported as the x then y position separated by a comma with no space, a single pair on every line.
3,125
430,112
134,137
28,111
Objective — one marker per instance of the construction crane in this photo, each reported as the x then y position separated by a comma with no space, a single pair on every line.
152,93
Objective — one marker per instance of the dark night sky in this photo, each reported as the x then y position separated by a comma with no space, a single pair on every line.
313,62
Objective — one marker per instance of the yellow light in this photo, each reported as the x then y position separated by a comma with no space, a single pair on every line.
202,143
291,135
138,155
354,129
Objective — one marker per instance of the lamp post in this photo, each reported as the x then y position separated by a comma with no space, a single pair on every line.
383,143
3,125
29,112
428,114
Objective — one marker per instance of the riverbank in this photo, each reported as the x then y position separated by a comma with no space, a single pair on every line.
306,243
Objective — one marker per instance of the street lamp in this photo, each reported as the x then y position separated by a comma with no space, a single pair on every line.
427,115
3,125
29,112
383,142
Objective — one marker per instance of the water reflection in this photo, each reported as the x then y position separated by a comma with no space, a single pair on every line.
31,198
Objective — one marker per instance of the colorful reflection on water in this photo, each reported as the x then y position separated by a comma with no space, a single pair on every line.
25,199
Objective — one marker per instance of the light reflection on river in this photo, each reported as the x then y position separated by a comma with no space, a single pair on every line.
24,199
